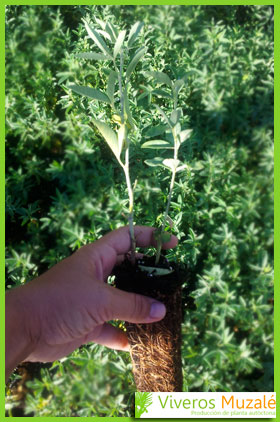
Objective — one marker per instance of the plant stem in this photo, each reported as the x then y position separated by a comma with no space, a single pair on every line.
126,165
172,182
131,203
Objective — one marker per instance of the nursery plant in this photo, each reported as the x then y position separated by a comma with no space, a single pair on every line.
65,188
155,348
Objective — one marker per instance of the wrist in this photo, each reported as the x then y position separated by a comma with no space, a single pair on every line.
20,337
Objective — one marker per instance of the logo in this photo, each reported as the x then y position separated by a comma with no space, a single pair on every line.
142,401
205,405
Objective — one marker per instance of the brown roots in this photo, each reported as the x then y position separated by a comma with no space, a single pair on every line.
156,348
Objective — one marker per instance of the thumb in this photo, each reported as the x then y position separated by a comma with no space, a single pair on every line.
133,307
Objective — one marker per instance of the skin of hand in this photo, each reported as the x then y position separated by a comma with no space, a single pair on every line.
70,304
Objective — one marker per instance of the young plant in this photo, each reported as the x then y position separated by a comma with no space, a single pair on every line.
121,51
178,136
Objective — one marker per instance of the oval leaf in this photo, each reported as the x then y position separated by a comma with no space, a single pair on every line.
157,144
175,116
161,78
109,136
161,93
127,110
164,115
133,34
154,162
178,85
139,54
90,92
155,270
93,56
121,137
185,134
119,43
111,85
171,164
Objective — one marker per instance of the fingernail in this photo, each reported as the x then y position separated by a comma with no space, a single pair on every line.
157,310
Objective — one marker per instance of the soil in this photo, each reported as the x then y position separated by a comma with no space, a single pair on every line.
155,347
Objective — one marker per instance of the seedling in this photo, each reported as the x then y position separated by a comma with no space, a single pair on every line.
121,51
178,136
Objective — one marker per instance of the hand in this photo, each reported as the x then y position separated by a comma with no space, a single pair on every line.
69,305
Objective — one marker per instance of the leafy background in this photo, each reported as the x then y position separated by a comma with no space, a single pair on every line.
64,188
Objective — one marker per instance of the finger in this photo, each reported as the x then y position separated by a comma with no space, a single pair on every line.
112,337
120,241
121,258
132,307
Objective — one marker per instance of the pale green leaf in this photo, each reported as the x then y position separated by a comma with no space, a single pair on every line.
157,144
111,27
93,56
109,136
108,28
171,164
133,34
127,110
137,57
90,92
101,23
164,115
175,116
161,78
185,134
99,41
105,34
156,270
113,76
121,137
161,93
154,162
119,43
178,85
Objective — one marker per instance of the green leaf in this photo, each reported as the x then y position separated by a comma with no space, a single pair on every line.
111,31
119,43
178,85
171,164
185,134
133,34
156,270
139,54
111,86
101,23
127,110
161,93
105,34
93,56
175,116
154,162
90,92
109,136
164,116
121,137
97,39
161,78
157,144
155,131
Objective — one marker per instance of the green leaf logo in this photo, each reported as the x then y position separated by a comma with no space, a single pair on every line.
142,401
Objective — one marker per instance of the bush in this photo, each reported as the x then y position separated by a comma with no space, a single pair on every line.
64,189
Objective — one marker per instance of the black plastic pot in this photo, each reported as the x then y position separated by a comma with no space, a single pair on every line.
155,347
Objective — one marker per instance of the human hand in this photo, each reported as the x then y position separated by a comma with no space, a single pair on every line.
70,304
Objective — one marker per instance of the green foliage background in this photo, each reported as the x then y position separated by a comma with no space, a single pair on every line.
64,188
